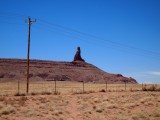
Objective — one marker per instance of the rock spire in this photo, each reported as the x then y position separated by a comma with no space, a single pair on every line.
77,56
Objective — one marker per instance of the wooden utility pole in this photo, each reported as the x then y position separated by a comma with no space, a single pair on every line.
29,21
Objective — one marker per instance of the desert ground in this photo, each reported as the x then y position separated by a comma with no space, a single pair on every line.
92,106
72,104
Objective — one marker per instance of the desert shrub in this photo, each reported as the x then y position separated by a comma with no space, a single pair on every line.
57,93
100,110
79,92
2,99
7,110
158,89
111,106
94,107
97,100
143,116
131,105
155,114
122,90
84,92
131,90
102,90
90,91
109,90
34,93
134,117
19,94
31,113
9,101
22,100
46,93
144,89
57,112
43,100
151,88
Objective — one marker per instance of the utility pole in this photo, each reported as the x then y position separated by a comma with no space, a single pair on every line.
29,21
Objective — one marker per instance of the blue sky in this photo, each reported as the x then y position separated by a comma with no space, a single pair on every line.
118,36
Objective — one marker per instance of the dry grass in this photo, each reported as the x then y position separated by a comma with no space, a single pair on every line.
65,87
6,110
70,103
93,106
122,106
151,88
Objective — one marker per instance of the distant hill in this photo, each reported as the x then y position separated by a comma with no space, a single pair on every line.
14,69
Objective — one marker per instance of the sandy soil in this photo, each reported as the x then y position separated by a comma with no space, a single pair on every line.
93,106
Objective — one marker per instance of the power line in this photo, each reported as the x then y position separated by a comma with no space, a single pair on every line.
116,45
81,35
2,21
81,38
99,38
11,14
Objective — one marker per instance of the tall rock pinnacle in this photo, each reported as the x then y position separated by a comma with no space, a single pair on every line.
77,56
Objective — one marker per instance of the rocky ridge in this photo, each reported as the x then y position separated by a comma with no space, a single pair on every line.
14,69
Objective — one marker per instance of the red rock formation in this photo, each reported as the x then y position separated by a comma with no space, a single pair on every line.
15,69
77,56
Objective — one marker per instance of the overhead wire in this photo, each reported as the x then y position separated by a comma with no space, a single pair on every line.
48,26
2,21
94,42
99,38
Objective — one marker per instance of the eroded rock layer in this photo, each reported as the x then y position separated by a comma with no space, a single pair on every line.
14,69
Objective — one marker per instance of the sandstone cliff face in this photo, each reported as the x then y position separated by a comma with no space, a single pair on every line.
14,69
